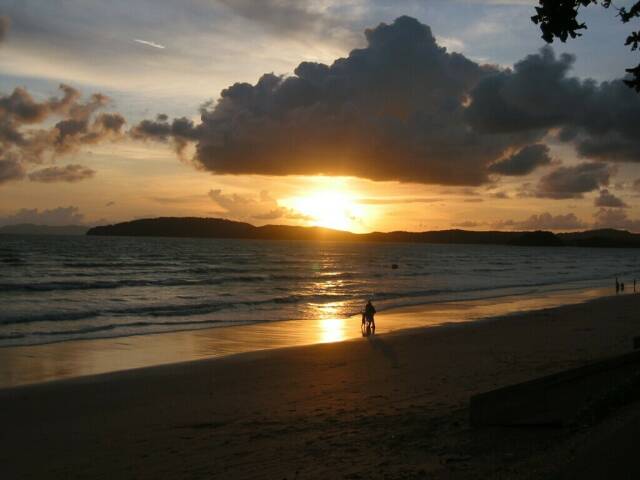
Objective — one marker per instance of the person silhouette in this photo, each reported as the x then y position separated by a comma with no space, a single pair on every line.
366,331
617,285
369,314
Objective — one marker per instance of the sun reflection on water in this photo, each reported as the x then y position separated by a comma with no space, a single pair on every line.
331,330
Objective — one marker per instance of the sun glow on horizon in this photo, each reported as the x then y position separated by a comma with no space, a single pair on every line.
331,209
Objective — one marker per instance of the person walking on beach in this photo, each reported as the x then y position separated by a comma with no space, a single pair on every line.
617,285
369,313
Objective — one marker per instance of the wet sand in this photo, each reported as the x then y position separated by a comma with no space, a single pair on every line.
388,406
35,364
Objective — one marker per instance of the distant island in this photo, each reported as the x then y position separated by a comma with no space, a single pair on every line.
221,228
31,229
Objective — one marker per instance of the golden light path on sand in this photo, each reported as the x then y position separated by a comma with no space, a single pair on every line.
332,330
33,364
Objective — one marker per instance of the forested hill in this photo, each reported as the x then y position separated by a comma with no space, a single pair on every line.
221,228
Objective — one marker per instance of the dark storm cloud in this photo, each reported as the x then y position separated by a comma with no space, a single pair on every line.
573,182
608,199
611,146
543,221
600,119
403,108
523,162
533,96
391,111
26,137
68,173
5,23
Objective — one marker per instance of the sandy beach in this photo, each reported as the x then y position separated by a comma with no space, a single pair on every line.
393,405
55,361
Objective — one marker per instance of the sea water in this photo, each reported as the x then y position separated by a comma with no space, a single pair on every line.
63,288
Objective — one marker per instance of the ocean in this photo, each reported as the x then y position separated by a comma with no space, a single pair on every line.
65,288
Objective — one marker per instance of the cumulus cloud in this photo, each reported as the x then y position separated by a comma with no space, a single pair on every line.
26,136
543,221
573,182
538,94
392,110
603,218
523,162
615,218
68,173
10,168
179,131
607,199
403,108
74,132
59,216
246,207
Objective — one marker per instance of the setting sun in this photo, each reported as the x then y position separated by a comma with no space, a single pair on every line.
330,209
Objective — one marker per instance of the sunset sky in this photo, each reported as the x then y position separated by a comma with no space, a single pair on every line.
361,115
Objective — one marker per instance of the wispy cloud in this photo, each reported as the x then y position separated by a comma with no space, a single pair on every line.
149,44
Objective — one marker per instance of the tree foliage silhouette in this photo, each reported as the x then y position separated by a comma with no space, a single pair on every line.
559,19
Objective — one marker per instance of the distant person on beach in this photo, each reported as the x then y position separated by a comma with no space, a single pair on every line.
369,314
622,286
617,287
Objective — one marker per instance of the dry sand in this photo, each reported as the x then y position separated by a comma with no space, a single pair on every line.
388,406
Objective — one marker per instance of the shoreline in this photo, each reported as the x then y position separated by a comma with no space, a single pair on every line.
24,365
385,406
